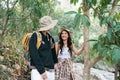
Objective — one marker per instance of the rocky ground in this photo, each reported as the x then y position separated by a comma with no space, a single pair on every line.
95,73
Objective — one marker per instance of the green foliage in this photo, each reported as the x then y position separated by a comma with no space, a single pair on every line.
109,34
12,54
74,1
71,12
77,20
80,19
117,27
117,16
104,3
115,53
19,19
37,9
101,10
105,20
5,74
104,47
84,20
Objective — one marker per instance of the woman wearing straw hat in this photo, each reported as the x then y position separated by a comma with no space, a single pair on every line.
64,49
44,58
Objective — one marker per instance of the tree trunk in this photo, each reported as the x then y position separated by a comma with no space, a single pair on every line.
116,71
109,26
86,73
87,62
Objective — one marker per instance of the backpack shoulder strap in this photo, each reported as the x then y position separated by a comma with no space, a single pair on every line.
39,39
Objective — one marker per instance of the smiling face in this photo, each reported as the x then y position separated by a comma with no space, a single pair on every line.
64,35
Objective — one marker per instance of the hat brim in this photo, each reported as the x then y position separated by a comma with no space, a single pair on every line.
54,22
63,29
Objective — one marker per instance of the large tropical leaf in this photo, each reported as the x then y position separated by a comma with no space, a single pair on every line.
97,46
117,27
71,12
115,53
109,34
77,20
74,1
104,51
84,20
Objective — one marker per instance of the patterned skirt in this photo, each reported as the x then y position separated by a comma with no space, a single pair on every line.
65,70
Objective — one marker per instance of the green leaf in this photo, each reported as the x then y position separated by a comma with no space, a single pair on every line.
71,12
117,28
97,46
108,60
104,3
108,1
79,9
117,16
113,46
71,1
104,51
111,21
109,34
77,20
104,21
75,1
88,1
115,53
84,20
94,2
92,40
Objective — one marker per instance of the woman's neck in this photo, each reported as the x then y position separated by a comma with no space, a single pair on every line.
65,43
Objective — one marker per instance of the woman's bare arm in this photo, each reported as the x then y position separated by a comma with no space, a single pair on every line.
57,47
77,52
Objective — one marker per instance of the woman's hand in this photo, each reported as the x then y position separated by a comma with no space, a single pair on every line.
56,66
44,76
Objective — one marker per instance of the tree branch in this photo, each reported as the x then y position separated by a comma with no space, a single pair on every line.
8,4
85,7
95,60
14,5
5,20
111,13
25,17
113,7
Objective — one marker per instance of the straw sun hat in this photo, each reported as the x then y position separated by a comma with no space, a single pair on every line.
47,23
64,29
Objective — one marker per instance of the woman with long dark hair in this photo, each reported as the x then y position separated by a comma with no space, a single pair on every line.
64,49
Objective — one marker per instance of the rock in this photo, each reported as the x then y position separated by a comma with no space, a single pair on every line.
17,69
103,66
4,67
1,58
95,73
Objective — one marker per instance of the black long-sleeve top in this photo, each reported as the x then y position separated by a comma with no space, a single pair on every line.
44,56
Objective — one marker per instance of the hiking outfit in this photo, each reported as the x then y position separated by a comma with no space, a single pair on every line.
65,68
44,58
